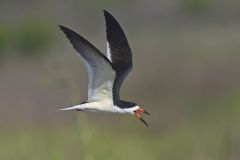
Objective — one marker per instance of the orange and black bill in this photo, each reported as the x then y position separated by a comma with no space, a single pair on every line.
146,112
137,115
144,121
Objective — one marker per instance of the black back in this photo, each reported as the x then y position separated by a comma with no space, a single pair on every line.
125,104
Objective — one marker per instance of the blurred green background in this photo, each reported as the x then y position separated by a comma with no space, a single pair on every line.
186,74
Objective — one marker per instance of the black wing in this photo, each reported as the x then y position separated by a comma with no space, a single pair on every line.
100,72
119,52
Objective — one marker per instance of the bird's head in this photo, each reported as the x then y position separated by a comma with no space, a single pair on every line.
135,110
137,113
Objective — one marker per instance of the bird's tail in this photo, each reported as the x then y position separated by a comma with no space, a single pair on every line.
76,107
70,108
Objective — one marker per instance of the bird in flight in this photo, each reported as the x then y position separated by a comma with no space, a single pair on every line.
106,74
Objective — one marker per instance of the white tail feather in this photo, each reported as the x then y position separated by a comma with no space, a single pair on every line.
70,108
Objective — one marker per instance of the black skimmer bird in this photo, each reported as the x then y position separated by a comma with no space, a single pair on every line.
105,74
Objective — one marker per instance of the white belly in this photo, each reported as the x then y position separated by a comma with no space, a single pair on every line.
101,106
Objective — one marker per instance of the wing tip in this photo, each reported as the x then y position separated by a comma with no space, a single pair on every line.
64,29
61,27
68,32
107,14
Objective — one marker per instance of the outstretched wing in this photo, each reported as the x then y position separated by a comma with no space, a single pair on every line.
100,71
119,52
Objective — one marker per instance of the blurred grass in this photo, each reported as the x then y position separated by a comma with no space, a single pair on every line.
209,135
209,139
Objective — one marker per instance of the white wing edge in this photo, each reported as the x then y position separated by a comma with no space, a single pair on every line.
108,52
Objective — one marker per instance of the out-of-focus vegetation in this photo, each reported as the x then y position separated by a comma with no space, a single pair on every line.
195,6
206,137
33,39
4,32
186,74
28,39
